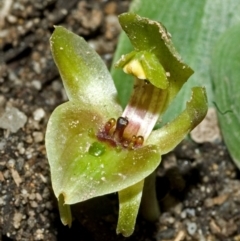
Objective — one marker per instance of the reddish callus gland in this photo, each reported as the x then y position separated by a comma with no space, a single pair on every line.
113,133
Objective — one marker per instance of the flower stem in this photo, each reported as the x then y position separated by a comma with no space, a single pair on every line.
149,204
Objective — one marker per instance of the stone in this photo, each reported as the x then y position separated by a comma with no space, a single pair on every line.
38,114
17,220
12,119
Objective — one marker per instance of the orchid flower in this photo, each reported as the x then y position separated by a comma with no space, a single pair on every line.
94,147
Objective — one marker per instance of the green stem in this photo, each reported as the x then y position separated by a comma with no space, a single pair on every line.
149,204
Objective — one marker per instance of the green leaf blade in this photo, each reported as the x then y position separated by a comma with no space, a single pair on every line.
225,68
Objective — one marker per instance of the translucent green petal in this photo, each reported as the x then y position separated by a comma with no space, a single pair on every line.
146,66
65,211
82,167
85,76
154,71
170,135
129,202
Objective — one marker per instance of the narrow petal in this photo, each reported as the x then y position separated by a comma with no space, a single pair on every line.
129,202
85,76
83,167
169,136
144,65
154,71
65,211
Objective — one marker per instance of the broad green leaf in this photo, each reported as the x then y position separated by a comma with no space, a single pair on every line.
129,202
195,27
170,135
225,69
81,171
84,74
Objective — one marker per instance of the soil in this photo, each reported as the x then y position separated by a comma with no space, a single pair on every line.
198,185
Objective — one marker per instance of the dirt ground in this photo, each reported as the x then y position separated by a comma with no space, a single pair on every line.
198,185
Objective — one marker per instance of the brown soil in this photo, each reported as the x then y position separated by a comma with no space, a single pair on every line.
198,186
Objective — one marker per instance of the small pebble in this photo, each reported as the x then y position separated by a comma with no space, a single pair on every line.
21,148
38,114
38,197
183,214
11,163
110,8
112,27
33,204
16,177
57,86
208,130
2,200
32,196
166,234
3,143
12,119
11,19
17,218
37,84
2,101
1,177
39,234
191,228
191,212
38,136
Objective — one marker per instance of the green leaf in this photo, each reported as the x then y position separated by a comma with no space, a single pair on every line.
195,27
84,74
76,170
170,135
225,68
129,202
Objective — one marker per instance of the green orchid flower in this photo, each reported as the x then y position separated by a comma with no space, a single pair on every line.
94,147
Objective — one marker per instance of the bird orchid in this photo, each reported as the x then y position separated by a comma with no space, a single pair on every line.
95,147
